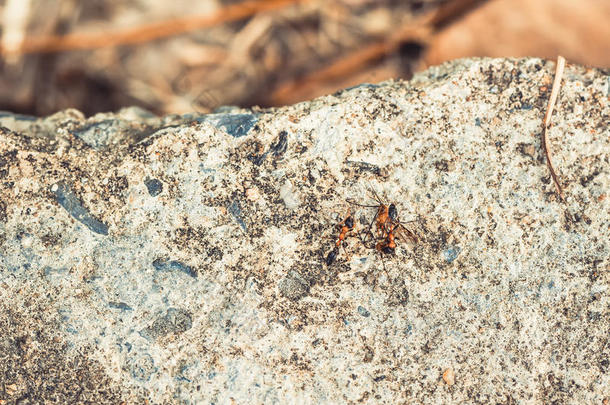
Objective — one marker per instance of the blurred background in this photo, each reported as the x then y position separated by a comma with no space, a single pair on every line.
185,55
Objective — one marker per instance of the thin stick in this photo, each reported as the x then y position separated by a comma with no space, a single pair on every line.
547,122
147,32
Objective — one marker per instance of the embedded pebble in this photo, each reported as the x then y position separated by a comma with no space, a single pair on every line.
154,186
70,202
173,265
449,377
236,125
176,320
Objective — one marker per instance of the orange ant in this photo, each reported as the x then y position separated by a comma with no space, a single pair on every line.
385,217
387,225
346,225
388,245
385,214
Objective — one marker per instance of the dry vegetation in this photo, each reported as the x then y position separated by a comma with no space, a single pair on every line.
174,57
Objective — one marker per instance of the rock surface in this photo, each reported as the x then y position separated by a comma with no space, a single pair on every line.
181,259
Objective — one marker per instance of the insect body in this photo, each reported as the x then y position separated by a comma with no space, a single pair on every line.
392,213
388,245
385,217
383,229
332,255
347,225
387,226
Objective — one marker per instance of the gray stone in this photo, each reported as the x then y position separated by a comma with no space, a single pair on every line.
293,287
154,186
174,321
211,286
236,125
363,311
142,367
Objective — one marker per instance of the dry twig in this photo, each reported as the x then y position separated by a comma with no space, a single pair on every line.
147,32
547,122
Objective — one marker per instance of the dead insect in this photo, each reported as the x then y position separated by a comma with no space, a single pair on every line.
388,244
348,225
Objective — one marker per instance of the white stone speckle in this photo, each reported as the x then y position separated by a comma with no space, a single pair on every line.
289,196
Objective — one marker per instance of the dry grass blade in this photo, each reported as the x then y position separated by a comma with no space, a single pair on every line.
547,122
148,32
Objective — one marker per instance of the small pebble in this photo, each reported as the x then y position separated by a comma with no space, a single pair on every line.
291,200
363,311
11,389
449,377
154,186
27,241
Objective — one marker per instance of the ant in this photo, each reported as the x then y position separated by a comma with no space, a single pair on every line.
347,225
385,217
387,225
388,245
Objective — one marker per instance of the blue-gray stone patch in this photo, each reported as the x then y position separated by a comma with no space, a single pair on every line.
70,202
451,253
236,125
119,305
235,210
99,134
154,186
173,265
142,367
363,311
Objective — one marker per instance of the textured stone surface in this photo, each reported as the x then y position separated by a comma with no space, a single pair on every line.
181,259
